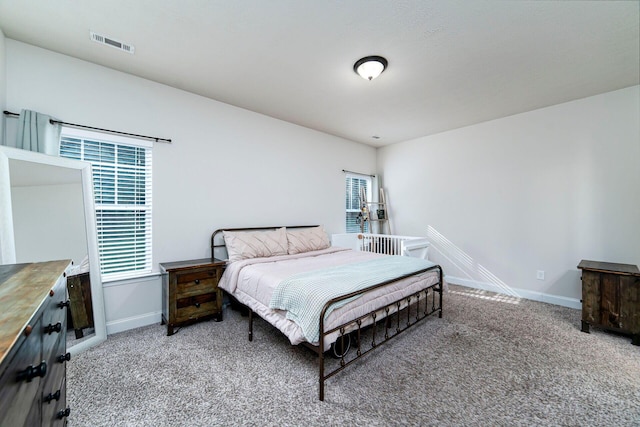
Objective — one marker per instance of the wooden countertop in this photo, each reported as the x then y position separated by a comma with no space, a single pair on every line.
23,289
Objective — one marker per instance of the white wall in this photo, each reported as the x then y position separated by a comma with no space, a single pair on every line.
4,200
534,191
48,222
226,166
3,80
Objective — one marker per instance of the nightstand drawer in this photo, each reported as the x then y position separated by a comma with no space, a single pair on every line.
196,306
193,283
192,276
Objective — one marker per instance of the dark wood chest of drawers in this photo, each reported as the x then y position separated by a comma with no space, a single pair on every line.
33,311
611,297
190,292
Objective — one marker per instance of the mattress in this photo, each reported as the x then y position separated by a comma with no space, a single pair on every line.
253,281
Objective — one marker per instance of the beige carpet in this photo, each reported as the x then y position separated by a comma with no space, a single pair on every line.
491,360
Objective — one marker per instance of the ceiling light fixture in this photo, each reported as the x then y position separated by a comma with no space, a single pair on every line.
370,67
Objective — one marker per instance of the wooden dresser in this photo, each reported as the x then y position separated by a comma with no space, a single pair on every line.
33,311
611,297
190,291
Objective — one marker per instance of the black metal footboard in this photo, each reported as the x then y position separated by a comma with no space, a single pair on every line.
397,317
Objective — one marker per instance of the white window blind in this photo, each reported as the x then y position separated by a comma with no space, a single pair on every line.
353,185
122,191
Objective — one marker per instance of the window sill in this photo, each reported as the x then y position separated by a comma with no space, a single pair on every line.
130,280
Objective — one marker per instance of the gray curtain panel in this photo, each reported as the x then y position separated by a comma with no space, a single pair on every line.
37,133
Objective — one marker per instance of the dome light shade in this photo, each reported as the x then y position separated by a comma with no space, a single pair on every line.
370,67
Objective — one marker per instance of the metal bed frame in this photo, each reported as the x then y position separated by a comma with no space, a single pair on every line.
407,311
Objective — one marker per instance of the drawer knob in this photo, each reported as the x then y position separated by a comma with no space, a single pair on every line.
64,358
197,305
62,414
55,396
197,281
64,304
49,329
31,372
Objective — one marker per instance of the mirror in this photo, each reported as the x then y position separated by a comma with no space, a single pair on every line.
47,213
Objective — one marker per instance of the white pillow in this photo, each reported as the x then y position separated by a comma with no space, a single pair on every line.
255,244
307,239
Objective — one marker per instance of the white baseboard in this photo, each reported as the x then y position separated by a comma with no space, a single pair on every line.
520,293
146,319
127,323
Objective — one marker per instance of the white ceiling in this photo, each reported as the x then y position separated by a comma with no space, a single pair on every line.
451,63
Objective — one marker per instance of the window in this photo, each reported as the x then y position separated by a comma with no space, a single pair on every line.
354,183
122,192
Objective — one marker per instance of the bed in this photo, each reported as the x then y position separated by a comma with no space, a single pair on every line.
328,299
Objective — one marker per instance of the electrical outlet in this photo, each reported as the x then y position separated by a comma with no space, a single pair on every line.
540,275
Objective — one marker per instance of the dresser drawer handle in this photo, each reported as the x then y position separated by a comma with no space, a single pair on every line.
197,305
50,397
49,329
197,281
61,414
64,304
64,358
31,372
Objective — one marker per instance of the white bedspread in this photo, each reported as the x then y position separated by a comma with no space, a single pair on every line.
253,281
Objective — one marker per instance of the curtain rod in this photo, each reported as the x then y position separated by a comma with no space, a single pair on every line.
358,173
58,122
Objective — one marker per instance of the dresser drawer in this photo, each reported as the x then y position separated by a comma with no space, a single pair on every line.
53,410
17,394
198,306
56,368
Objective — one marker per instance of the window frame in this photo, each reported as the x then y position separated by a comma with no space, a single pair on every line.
145,267
369,183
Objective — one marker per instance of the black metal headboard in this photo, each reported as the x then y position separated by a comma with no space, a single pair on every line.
219,249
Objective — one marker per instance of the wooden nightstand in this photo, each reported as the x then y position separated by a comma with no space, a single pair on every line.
611,297
190,291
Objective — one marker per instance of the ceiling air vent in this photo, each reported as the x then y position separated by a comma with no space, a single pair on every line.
98,38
